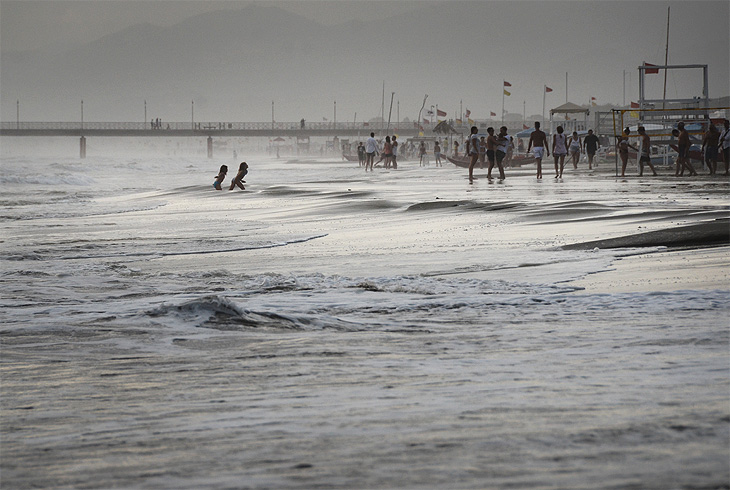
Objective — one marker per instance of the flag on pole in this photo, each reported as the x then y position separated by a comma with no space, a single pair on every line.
471,122
506,93
650,70
548,89
593,101
458,121
635,105
468,113
525,126
441,113
425,121
507,84
492,114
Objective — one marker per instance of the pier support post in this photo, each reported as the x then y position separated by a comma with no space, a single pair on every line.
210,147
82,147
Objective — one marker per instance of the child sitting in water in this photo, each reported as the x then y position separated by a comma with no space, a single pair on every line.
238,179
220,177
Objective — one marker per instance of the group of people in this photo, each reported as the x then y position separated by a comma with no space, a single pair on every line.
237,181
562,145
492,148
712,142
388,153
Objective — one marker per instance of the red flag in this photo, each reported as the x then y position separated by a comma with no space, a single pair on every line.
593,98
440,113
507,84
468,112
492,114
548,89
525,126
650,70
635,105
425,121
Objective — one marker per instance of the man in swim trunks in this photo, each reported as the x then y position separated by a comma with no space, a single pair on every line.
473,146
590,144
683,145
645,156
538,141
710,143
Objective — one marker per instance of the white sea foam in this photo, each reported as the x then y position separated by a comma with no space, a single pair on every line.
332,328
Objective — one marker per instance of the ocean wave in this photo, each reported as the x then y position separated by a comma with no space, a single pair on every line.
48,179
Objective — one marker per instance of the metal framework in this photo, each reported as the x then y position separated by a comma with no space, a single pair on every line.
645,103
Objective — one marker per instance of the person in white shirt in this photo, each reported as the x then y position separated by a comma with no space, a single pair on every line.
503,143
371,147
473,148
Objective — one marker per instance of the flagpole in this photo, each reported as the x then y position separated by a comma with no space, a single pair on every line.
544,91
666,61
502,103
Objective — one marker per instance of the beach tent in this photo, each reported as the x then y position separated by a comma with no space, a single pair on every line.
444,128
525,133
574,118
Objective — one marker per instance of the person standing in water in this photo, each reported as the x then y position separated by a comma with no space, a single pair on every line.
220,177
560,150
538,142
437,153
473,148
238,179
645,156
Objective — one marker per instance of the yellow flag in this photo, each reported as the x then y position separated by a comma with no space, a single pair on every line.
506,93
634,114
471,122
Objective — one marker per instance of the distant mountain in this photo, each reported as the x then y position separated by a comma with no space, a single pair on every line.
233,64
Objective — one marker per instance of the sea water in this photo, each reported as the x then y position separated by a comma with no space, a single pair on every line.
335,328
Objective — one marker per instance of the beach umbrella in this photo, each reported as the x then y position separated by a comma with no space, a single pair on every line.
444,128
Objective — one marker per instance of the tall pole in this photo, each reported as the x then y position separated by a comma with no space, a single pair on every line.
666,61
544,92
272,114
390,110
335,118
382,110
17,114
398,113
82,113
421,111
502,103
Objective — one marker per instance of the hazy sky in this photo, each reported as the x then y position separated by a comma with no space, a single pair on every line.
470,47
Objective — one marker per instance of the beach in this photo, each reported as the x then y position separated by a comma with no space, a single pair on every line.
335,328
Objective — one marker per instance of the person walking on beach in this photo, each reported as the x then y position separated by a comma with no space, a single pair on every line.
725,145
360,154
238,179
371,146
386,154
710,143
683,145
623,149
456,149
437,153
473,150
220,177
491,144
560,150
422,154
590,145
538,142
394,156
645,156
503,141
575,146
